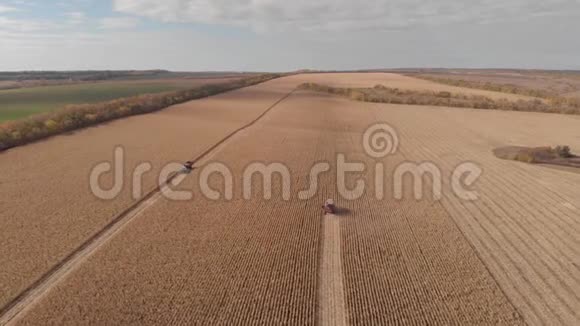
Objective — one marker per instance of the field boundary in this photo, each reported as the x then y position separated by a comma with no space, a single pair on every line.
77,117
388,95
36,290
505,88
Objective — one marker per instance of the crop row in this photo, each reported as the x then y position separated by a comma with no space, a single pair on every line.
519,226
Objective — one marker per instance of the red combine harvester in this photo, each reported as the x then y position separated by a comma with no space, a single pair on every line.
329,207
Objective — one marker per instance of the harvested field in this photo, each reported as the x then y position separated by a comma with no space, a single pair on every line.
257,261
509,258
573,94
402,82
525,224
45,233
550,82
331,298
382,94
556,156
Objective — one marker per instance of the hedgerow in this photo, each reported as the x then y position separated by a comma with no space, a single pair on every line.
488,86
382,94
73,117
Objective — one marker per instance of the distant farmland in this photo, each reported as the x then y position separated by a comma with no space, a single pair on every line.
23,102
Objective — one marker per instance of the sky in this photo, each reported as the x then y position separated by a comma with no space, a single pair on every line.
285,35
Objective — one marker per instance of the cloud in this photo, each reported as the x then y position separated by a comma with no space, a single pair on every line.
5,9
340,14
119,23
76,17
25,25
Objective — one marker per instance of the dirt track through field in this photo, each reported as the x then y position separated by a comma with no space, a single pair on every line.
50,279
331,305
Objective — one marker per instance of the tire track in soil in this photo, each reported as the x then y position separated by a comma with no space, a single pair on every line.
11,311
331,298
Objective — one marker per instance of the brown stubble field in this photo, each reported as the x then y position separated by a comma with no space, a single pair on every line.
392,80
510,258
525,224
257,262
44,233
558,83
54,174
